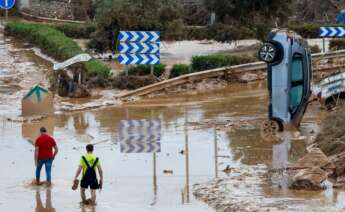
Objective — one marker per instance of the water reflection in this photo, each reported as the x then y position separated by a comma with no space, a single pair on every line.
88,208
48,206
80,122
186,190
31,130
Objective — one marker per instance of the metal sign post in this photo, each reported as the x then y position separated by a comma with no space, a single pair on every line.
215,152
152,70
187,156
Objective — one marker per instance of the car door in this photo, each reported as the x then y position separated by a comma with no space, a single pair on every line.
297,84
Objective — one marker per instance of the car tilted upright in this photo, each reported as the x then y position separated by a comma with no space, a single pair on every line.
289,76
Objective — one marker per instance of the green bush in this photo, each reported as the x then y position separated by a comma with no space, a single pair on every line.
54,43
76,30
96,68
336,44
315,49
227,33
201,63
180,69
142,70
197,33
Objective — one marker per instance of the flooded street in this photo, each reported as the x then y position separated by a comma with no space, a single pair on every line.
129,178
204,137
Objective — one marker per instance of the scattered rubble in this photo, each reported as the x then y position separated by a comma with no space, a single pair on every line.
226,124
242,191
309,179
28,119
331,139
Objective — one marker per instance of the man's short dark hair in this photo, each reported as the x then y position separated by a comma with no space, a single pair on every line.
89,148
43,130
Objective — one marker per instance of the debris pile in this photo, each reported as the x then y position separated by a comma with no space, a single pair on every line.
310,171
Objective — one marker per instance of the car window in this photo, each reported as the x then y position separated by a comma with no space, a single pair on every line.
297,68
296,97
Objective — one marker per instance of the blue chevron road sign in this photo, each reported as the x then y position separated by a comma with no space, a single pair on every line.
140,136
7,4
139,36
142,48
140,147
139,47
332,31
149,59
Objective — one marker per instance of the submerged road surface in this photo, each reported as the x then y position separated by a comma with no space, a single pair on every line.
133,182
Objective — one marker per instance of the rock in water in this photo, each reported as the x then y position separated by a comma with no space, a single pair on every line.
311,171
338,161
309,179
315,158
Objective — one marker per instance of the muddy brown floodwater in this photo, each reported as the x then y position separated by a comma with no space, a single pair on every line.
201,135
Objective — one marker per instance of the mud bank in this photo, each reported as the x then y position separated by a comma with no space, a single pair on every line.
248,189
331,140
212,84
316,176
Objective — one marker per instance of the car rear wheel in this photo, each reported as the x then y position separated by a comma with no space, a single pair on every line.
268,53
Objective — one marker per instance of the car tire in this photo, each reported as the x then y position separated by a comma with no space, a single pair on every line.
268,53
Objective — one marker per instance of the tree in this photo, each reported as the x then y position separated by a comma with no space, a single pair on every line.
139,15
243,11
257,15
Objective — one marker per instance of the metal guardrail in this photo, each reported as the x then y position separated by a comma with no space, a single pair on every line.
219,72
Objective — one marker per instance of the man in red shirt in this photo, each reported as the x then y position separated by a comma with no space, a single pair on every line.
44,154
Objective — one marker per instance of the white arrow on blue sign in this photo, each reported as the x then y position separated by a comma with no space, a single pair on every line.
139,59
332,31
139,36
7,4
143,48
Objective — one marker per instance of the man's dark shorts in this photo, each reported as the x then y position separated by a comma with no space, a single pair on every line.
93,185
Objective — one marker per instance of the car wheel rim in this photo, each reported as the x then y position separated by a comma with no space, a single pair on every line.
267,53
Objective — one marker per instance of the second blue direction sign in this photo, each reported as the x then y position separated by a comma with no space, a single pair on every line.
139,59
332,31
142,48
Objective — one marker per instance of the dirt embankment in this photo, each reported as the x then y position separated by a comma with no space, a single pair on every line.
326,157
331,139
